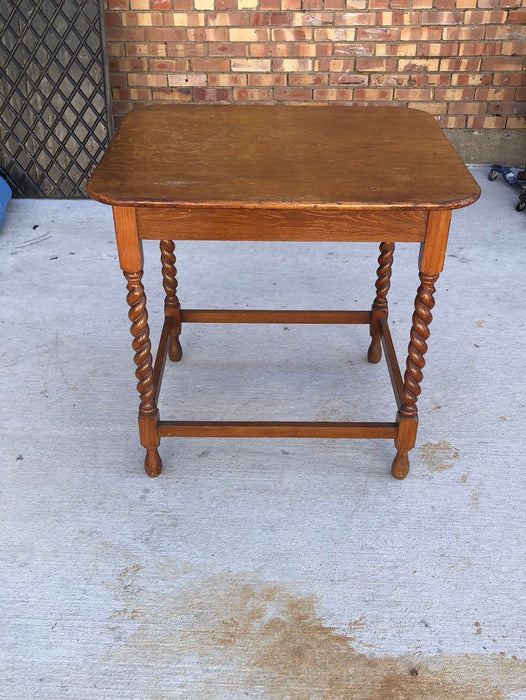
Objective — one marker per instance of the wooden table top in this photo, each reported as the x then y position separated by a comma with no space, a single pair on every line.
282,157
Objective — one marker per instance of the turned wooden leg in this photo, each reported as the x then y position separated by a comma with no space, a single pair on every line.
148,413
379,308
408,413
172,307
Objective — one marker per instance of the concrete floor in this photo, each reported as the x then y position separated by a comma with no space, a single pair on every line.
275,569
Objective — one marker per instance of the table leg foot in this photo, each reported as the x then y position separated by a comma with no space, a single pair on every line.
400,466
374,354
153,465
175,351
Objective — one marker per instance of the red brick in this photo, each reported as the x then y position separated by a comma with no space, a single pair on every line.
445,4
112,19
442,49
147,79
207,34
463,33
375,65
418,65
455,94
468,65
349,79
399,19
513,48
210,65
168,66
267,80
467,108
225,19
184,50
447,122
505,79
465,79
353,49
507,108
118,80
264,19
252,95
175,94
230,50
376,94
413,94
291,34
355,19
401,50
291,65
124,34
305,79
488,122
269,50
127,65
117,4
501,94
168,35
211,94
500,31
376,34
442,18
488,4
502,63
226,80
292,94
313,19
385,80
312,50
163,5
430,79
486,17
482,48
333,94
421,34
517,17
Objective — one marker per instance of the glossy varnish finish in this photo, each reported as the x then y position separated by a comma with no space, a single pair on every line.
284,173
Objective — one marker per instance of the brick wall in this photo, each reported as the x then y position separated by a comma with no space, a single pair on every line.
459,59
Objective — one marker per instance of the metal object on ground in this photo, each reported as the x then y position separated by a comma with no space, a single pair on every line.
513,177
54,115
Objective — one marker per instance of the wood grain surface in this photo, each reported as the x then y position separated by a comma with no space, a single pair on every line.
281,156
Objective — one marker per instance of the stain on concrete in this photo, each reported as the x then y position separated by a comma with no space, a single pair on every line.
439,456
481,323
474,503
237,636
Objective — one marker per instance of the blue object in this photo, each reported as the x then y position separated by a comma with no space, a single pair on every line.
514,177
5,196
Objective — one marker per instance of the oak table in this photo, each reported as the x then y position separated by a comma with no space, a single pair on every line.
281,173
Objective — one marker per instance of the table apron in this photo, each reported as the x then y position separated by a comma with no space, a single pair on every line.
239,224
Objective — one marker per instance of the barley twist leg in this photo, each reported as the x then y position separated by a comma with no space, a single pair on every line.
408,414
148,413
172,307
380,308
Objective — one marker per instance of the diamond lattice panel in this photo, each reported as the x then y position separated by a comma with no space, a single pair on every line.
53,102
